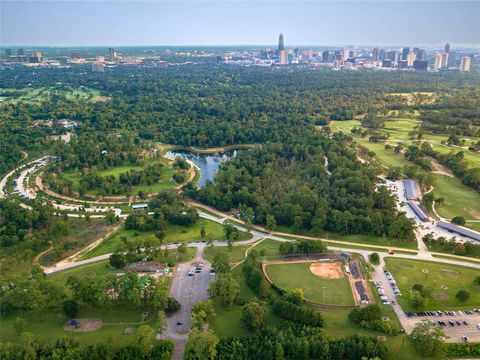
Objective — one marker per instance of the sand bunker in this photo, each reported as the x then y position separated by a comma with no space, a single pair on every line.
330,270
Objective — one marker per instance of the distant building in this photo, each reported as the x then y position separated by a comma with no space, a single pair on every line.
465,63
281,45
326,56
375,54
74,54
452,58
447,48
444,60
387,63
381,55
411,189
8,53
139,206
20,52
405,52
36,57
459,230
422,55
420,65
98,66
403,64
411,58
283,57
438,61
112,54
418,210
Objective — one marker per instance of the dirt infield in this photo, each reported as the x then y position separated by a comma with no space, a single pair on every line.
330,270
85,325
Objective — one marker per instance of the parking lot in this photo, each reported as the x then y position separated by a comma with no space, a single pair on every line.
455,326
188,290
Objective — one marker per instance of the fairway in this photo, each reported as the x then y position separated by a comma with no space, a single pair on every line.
320,290
444,280
459,199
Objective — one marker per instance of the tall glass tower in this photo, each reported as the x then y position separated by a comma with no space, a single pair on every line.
281,46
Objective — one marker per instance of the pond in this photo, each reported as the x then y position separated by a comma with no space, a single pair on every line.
207,163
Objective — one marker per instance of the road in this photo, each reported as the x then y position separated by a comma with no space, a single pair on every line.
191,289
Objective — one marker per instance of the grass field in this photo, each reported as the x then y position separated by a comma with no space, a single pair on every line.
173,233
235,255
444,280
460,200
36,96
166,181
49,326
289,276
226,321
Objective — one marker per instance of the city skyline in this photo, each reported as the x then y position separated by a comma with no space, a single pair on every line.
201,23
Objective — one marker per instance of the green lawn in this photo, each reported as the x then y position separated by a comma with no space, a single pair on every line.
226,321
49,326
173,234
444,280
235,254
460,200
166,181
289,276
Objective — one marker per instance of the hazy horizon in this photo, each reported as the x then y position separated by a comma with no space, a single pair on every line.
239,23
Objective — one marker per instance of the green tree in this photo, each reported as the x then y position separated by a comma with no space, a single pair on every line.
162,322
201,345
145,338
203,232
270,222
70,308
462,295
295,296
374,258
220,263
253,315
426,339
225,288
417,300
459,220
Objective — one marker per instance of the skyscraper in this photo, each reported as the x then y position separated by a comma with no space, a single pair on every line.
405,52
447,48
465,63
438,61
411,58
112,53
281,45
422,55
375,55
326,56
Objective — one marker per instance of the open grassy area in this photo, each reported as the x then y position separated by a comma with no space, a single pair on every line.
226,321
166,181
460,200
49,325
235,254
173,234
289,276
444,280
36,96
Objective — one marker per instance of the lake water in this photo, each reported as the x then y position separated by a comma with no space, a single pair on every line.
207,163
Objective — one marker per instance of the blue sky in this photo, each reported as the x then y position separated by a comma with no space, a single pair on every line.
90,23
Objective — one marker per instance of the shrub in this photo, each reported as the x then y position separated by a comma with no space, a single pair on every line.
462,295
172,305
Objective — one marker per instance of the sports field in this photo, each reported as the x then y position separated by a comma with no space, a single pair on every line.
444,280
315,288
